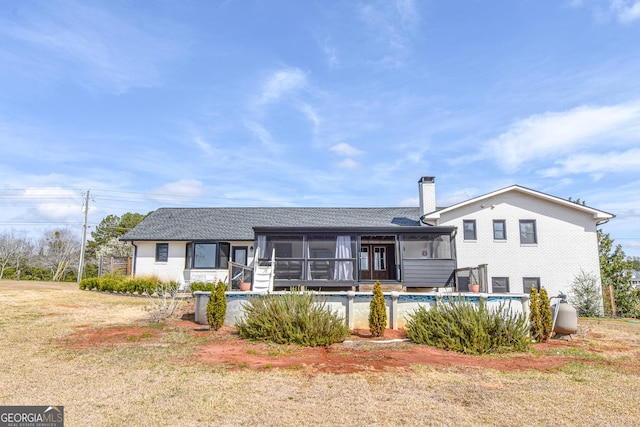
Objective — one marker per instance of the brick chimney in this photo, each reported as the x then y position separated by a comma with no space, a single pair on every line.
427,190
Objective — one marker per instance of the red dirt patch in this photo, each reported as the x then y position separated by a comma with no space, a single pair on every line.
359,353
101,337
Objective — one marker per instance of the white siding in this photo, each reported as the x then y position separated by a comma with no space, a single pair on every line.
173,268
566,241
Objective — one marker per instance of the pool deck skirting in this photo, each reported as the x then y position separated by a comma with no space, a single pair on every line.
354,306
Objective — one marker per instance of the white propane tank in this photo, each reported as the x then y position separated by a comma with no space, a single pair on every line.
566,318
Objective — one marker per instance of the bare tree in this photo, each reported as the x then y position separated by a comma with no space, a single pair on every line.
59,251
15,249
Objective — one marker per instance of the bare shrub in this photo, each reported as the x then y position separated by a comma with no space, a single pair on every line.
164,300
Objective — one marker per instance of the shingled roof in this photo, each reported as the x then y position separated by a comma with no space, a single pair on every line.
186,224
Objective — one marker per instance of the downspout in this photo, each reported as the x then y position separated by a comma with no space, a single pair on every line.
135,258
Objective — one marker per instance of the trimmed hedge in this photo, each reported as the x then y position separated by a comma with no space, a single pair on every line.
120,284
202,286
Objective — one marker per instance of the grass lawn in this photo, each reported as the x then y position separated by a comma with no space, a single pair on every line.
98,356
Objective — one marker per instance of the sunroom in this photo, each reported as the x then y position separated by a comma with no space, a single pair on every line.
347,258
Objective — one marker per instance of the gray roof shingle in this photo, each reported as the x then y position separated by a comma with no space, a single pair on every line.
238,223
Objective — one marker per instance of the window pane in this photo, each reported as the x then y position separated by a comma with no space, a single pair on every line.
499,232
500,284
204,255
364,259
530,282
285,246
469,227
527,231
189,256
223,261
427,246
162,252
379,259
322,246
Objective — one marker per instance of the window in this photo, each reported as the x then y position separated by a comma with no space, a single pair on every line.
469,227
499,229
380,258
426,246
322,246
285,246
530,282
528,231
207,255
500,285
162,252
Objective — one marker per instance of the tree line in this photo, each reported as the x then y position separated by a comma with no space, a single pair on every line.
55,255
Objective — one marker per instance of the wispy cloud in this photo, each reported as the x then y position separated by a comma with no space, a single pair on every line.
51,204
348,164
180,192
330,52
613,162
263,135
391,25
559,133
280,83
203,145
623,11
626,11
344,149
104,48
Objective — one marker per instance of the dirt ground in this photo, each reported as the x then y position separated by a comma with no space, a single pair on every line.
101,356
359,353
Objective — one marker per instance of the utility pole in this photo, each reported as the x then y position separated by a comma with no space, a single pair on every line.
84,237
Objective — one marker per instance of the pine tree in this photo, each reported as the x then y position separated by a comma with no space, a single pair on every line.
535,315
217,306
377,312
545,315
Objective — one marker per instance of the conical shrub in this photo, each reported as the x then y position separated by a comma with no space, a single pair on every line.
377,312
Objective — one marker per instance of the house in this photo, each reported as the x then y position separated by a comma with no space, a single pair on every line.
508,241
634,280
525,238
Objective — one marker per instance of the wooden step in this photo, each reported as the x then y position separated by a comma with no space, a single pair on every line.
366,287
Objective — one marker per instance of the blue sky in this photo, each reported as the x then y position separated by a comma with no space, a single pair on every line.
315,103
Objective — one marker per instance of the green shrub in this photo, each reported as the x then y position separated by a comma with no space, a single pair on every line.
461,326
141,285
217,306
109,284
202,286
377,312
545,315
540,317
292,318
90,284
585,295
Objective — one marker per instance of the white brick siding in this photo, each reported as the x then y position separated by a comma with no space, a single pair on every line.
174,267
566,240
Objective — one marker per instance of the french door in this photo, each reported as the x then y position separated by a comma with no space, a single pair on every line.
376,262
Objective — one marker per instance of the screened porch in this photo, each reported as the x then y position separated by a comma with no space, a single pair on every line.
342,259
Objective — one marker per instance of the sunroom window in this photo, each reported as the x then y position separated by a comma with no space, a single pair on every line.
427,246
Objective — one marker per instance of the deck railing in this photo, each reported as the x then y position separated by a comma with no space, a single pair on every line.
238,274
